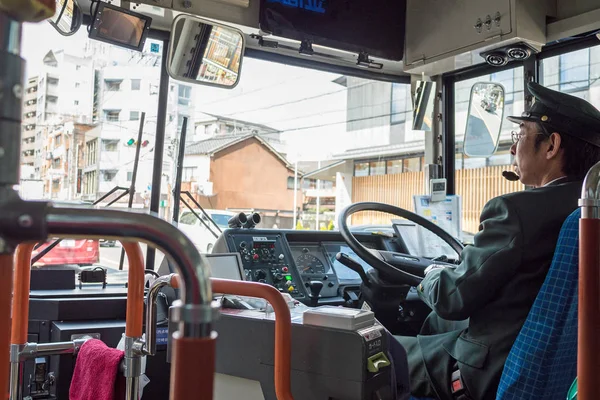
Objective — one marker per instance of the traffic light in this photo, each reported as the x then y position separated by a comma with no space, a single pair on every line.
132,142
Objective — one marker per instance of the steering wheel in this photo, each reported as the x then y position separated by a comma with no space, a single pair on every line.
398,267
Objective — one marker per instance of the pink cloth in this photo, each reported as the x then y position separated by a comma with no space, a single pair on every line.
95,372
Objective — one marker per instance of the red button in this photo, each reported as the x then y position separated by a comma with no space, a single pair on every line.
255,257
284,269
456,386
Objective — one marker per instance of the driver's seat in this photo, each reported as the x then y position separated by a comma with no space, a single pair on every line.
542,363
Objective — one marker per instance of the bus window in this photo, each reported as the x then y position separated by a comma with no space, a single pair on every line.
82,109
479,179
576,73
295,145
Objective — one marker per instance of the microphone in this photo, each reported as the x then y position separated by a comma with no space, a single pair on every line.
510,176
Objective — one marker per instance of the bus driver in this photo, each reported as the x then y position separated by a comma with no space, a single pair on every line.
480,305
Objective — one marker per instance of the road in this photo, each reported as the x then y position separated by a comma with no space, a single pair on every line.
491,120
110,256
483,129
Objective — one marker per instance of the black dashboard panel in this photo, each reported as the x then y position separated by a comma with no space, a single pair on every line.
265,258
293,261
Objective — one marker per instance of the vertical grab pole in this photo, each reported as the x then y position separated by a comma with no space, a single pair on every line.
134,320
6,280
588,346
12,69
20,316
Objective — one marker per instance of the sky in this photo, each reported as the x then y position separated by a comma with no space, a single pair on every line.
304,104
39,38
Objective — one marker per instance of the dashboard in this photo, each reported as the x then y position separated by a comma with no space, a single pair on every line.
297,262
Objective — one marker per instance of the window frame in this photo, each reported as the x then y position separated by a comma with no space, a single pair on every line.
531,69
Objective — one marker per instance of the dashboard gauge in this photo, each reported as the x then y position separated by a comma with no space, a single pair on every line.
309,264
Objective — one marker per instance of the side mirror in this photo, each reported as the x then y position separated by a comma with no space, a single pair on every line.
68,17
204,52
486,109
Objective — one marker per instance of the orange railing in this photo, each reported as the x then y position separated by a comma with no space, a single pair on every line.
20,307
283,328
588,342
6,280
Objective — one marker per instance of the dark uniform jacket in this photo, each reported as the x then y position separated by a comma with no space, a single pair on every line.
494,286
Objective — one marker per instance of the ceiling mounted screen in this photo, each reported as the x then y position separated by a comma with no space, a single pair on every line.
375,27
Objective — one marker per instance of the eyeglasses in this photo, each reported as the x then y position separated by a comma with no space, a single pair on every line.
516,136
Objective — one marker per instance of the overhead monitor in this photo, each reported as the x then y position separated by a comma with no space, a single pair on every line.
225,266
375,27
120,26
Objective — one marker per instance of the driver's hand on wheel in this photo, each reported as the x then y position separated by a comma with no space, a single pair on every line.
431,267
434,267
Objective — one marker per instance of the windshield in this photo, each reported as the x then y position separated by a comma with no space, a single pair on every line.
295,145
221,219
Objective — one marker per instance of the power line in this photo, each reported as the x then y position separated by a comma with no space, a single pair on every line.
295,101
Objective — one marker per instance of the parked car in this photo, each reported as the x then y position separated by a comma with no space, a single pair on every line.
70,251
197,230
488,105
108,243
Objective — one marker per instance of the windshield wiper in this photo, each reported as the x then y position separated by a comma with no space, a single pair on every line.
198,206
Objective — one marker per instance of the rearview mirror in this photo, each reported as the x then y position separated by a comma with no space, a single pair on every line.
68,17
423,106
486,109
205,52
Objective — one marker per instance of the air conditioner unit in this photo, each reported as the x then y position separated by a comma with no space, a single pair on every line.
514,27
203,188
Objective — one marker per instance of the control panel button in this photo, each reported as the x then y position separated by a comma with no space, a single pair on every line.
255,257
260,274
291,289
285,269
281,256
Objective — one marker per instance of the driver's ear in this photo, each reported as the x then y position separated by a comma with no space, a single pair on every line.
554,146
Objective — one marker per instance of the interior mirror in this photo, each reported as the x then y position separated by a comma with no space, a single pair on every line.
68,17
423,106
486,109
205,52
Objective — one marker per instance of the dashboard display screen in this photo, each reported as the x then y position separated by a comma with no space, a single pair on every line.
120,26
344,273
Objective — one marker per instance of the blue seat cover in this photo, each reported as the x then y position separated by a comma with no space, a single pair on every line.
542,363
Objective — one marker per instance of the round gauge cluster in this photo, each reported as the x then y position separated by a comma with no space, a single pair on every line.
309,264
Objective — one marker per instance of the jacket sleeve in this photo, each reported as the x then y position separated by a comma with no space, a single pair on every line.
455,293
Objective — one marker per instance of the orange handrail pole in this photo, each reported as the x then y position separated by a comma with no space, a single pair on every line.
283,325
20,305
588,361
6,281
135,290
193,367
